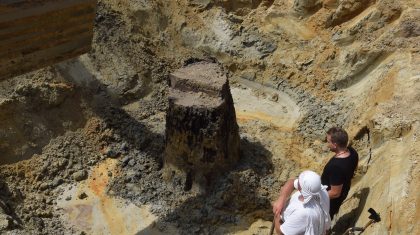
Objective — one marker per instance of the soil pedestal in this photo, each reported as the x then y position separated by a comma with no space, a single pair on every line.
202,138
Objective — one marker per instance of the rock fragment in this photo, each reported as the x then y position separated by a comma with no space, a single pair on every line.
80,175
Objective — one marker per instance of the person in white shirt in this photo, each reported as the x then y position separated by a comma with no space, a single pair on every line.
307,212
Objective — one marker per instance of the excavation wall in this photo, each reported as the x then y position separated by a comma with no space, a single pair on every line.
92,130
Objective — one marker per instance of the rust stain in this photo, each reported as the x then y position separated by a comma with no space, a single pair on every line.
99,179
98,182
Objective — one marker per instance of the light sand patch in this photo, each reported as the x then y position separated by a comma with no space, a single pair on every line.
258,227
249,106
274,22
356,20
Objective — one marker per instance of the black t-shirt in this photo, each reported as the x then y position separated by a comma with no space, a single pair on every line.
340,171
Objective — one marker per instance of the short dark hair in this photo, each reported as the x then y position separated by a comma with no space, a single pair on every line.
338,136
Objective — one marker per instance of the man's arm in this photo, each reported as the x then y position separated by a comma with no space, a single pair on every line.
277,224
285,193
335,191
337,179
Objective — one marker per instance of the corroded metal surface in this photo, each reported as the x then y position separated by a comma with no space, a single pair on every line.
37,33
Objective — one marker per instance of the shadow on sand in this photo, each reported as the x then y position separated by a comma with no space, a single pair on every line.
349,219
107,106
233,201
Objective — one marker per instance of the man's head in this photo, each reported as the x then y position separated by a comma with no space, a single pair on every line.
337,139
310,188
309,185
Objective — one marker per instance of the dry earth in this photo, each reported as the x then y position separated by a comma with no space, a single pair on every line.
81,142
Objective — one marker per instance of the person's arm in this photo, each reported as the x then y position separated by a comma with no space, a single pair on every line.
336,180
277,224
285,193
335,191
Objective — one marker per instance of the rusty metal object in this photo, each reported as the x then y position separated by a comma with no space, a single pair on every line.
38,33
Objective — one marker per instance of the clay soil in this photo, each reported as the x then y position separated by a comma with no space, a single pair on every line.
82,142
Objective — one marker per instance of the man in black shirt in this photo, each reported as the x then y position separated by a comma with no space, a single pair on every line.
339,170
337,173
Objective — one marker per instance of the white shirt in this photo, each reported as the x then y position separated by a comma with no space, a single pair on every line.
296,216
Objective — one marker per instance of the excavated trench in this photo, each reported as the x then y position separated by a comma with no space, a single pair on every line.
82,142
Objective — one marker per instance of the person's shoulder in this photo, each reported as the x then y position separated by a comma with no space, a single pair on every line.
333,161
352,151
294,198
336,162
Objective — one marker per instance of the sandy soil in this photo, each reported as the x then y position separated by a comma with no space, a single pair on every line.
95,124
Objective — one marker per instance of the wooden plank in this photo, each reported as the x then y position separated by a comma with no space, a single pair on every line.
37,33
52,48
58,15
40,43
11,61
12,5
47,34
34,8
41,29
46,57
13,2
5,9
9,2
28,67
